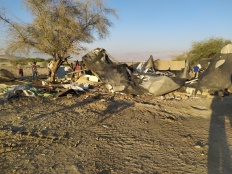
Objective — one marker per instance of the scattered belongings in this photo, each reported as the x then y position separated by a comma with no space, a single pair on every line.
22,90
119,78
92,78
77,87
69,93
74,89
147,78
25,90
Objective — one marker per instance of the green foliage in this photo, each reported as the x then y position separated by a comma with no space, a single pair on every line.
35,60
2,60
207,48
203,49
59,28
49,60
25,61
17,61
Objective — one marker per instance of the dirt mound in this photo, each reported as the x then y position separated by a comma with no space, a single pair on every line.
6,75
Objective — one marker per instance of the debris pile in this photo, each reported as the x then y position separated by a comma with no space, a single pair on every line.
147,78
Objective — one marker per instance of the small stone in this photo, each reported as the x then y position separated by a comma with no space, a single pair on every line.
197,147
69,95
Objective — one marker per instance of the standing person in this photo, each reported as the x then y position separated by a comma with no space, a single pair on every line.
20,72
78,68
34,71
82,67
72,66
73,70
50,65
196,69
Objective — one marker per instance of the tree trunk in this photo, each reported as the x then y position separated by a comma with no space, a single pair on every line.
56,65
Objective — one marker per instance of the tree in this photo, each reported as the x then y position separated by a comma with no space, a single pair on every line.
59,27
203,49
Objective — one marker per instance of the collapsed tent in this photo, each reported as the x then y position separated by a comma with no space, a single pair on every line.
227,49
119,78
148,65
159,85
218,75
116,76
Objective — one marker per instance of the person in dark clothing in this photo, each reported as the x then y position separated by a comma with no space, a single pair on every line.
20,71
34,71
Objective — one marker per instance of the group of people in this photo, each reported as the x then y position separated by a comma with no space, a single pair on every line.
77,67
34,71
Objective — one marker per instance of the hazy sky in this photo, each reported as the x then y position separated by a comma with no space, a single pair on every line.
156,27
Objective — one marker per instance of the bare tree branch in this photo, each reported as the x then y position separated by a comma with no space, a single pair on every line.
60,26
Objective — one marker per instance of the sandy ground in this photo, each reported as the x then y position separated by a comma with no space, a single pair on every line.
102,133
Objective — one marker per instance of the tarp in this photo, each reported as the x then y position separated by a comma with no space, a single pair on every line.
23,90
62,72
159,85
116,76
218,75
148,65
119,78
227,49
139,67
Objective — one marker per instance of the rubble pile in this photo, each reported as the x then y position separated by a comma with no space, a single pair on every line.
158,78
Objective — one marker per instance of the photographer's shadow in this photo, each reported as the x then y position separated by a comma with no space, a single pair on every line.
219,152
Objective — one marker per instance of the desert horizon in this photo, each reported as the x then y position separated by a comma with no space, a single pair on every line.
121,57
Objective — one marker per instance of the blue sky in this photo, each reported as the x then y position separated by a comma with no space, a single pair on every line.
155,27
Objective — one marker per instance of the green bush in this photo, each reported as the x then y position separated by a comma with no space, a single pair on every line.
203,49
18,61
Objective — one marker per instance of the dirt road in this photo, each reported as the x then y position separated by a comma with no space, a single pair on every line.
116,134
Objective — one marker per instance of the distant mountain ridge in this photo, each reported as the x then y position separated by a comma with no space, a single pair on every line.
121,57
4,55
139,57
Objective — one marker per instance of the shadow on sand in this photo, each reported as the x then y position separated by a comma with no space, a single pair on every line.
219,153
